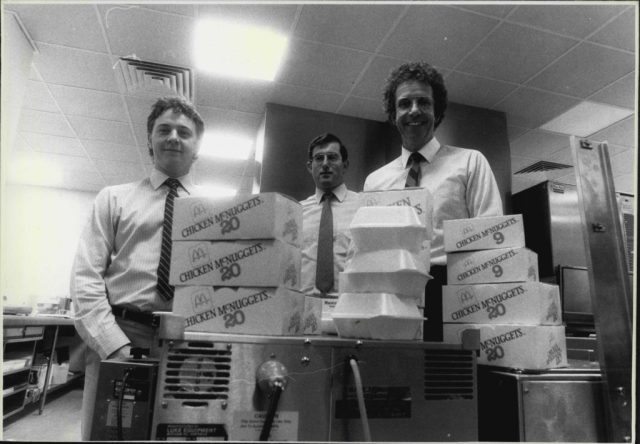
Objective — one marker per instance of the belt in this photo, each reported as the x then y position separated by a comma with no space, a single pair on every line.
141,317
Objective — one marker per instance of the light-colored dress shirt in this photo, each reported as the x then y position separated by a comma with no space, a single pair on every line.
117,258
459,179
343,207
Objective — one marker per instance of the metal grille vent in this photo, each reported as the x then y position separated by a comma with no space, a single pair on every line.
155,78
198,372
543,165
449,374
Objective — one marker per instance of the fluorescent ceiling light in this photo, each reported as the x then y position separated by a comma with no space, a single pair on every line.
225,145
586,118
238,50
218,190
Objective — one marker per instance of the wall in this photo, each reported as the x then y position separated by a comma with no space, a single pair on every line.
371,144
40,234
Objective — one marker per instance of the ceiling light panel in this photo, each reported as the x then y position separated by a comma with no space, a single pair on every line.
586,118
226,146
234,49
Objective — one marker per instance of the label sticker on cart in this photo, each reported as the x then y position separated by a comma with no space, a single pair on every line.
191,432
127,414
380,402
248,425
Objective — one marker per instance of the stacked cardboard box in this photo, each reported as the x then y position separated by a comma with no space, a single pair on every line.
493,286
235,263
383,284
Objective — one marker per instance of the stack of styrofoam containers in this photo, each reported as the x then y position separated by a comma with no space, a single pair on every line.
235,263
383,283
493,287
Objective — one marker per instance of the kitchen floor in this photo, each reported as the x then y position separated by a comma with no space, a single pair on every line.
60,420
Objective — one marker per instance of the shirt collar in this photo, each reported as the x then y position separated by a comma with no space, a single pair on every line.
340,192
428,151
158,178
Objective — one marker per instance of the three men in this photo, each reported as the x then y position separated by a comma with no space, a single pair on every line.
120,271
460,180
324,257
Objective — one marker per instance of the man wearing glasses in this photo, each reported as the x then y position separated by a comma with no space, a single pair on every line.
326,216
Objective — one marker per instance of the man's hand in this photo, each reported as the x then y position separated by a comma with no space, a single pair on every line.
123,352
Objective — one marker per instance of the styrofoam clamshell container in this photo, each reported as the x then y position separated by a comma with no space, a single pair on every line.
387,227
377,316
387,260
409,283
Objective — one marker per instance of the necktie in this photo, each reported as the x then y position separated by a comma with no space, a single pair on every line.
413,178
164,289
324,267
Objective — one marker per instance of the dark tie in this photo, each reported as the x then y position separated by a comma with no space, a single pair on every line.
413,178
324,267
164,289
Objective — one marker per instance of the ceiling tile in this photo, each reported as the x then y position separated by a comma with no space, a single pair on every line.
150,35
622,163
495,10
21,145
75,67
236,94
515,132
78,25
519,162
626,183
586,118
620,93
307,98
113,168
274,16
125,176
320,66
363,108
581,71
232,121
90,103
188,10
515,53
573,20
48,143
44,123
538,144
442,34
67,163
112,151
531,108
620,33
37,97
621,133
372,82
139,108
564,156
107,130
85,179
569,179
476,91
359,26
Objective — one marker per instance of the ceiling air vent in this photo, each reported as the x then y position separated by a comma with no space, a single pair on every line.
542,166
145,78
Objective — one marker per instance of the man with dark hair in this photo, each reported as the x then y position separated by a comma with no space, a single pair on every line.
460,180
326,216
120,272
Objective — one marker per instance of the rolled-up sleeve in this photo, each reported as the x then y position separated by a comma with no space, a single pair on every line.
94,319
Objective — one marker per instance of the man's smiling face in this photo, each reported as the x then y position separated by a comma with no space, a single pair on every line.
174,143
414,114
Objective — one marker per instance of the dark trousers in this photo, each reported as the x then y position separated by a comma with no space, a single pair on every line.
433,304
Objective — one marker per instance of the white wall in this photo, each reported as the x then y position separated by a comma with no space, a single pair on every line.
40,231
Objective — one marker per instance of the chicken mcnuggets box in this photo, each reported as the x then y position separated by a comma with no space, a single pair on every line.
492,266
418,198
249,216
534,303
249,263
483,233
240,310
527,347
312,316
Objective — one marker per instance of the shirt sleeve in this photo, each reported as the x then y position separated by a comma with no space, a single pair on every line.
94,319
483,196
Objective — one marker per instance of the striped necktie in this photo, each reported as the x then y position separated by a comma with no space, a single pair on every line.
164,289
413,178
324,266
